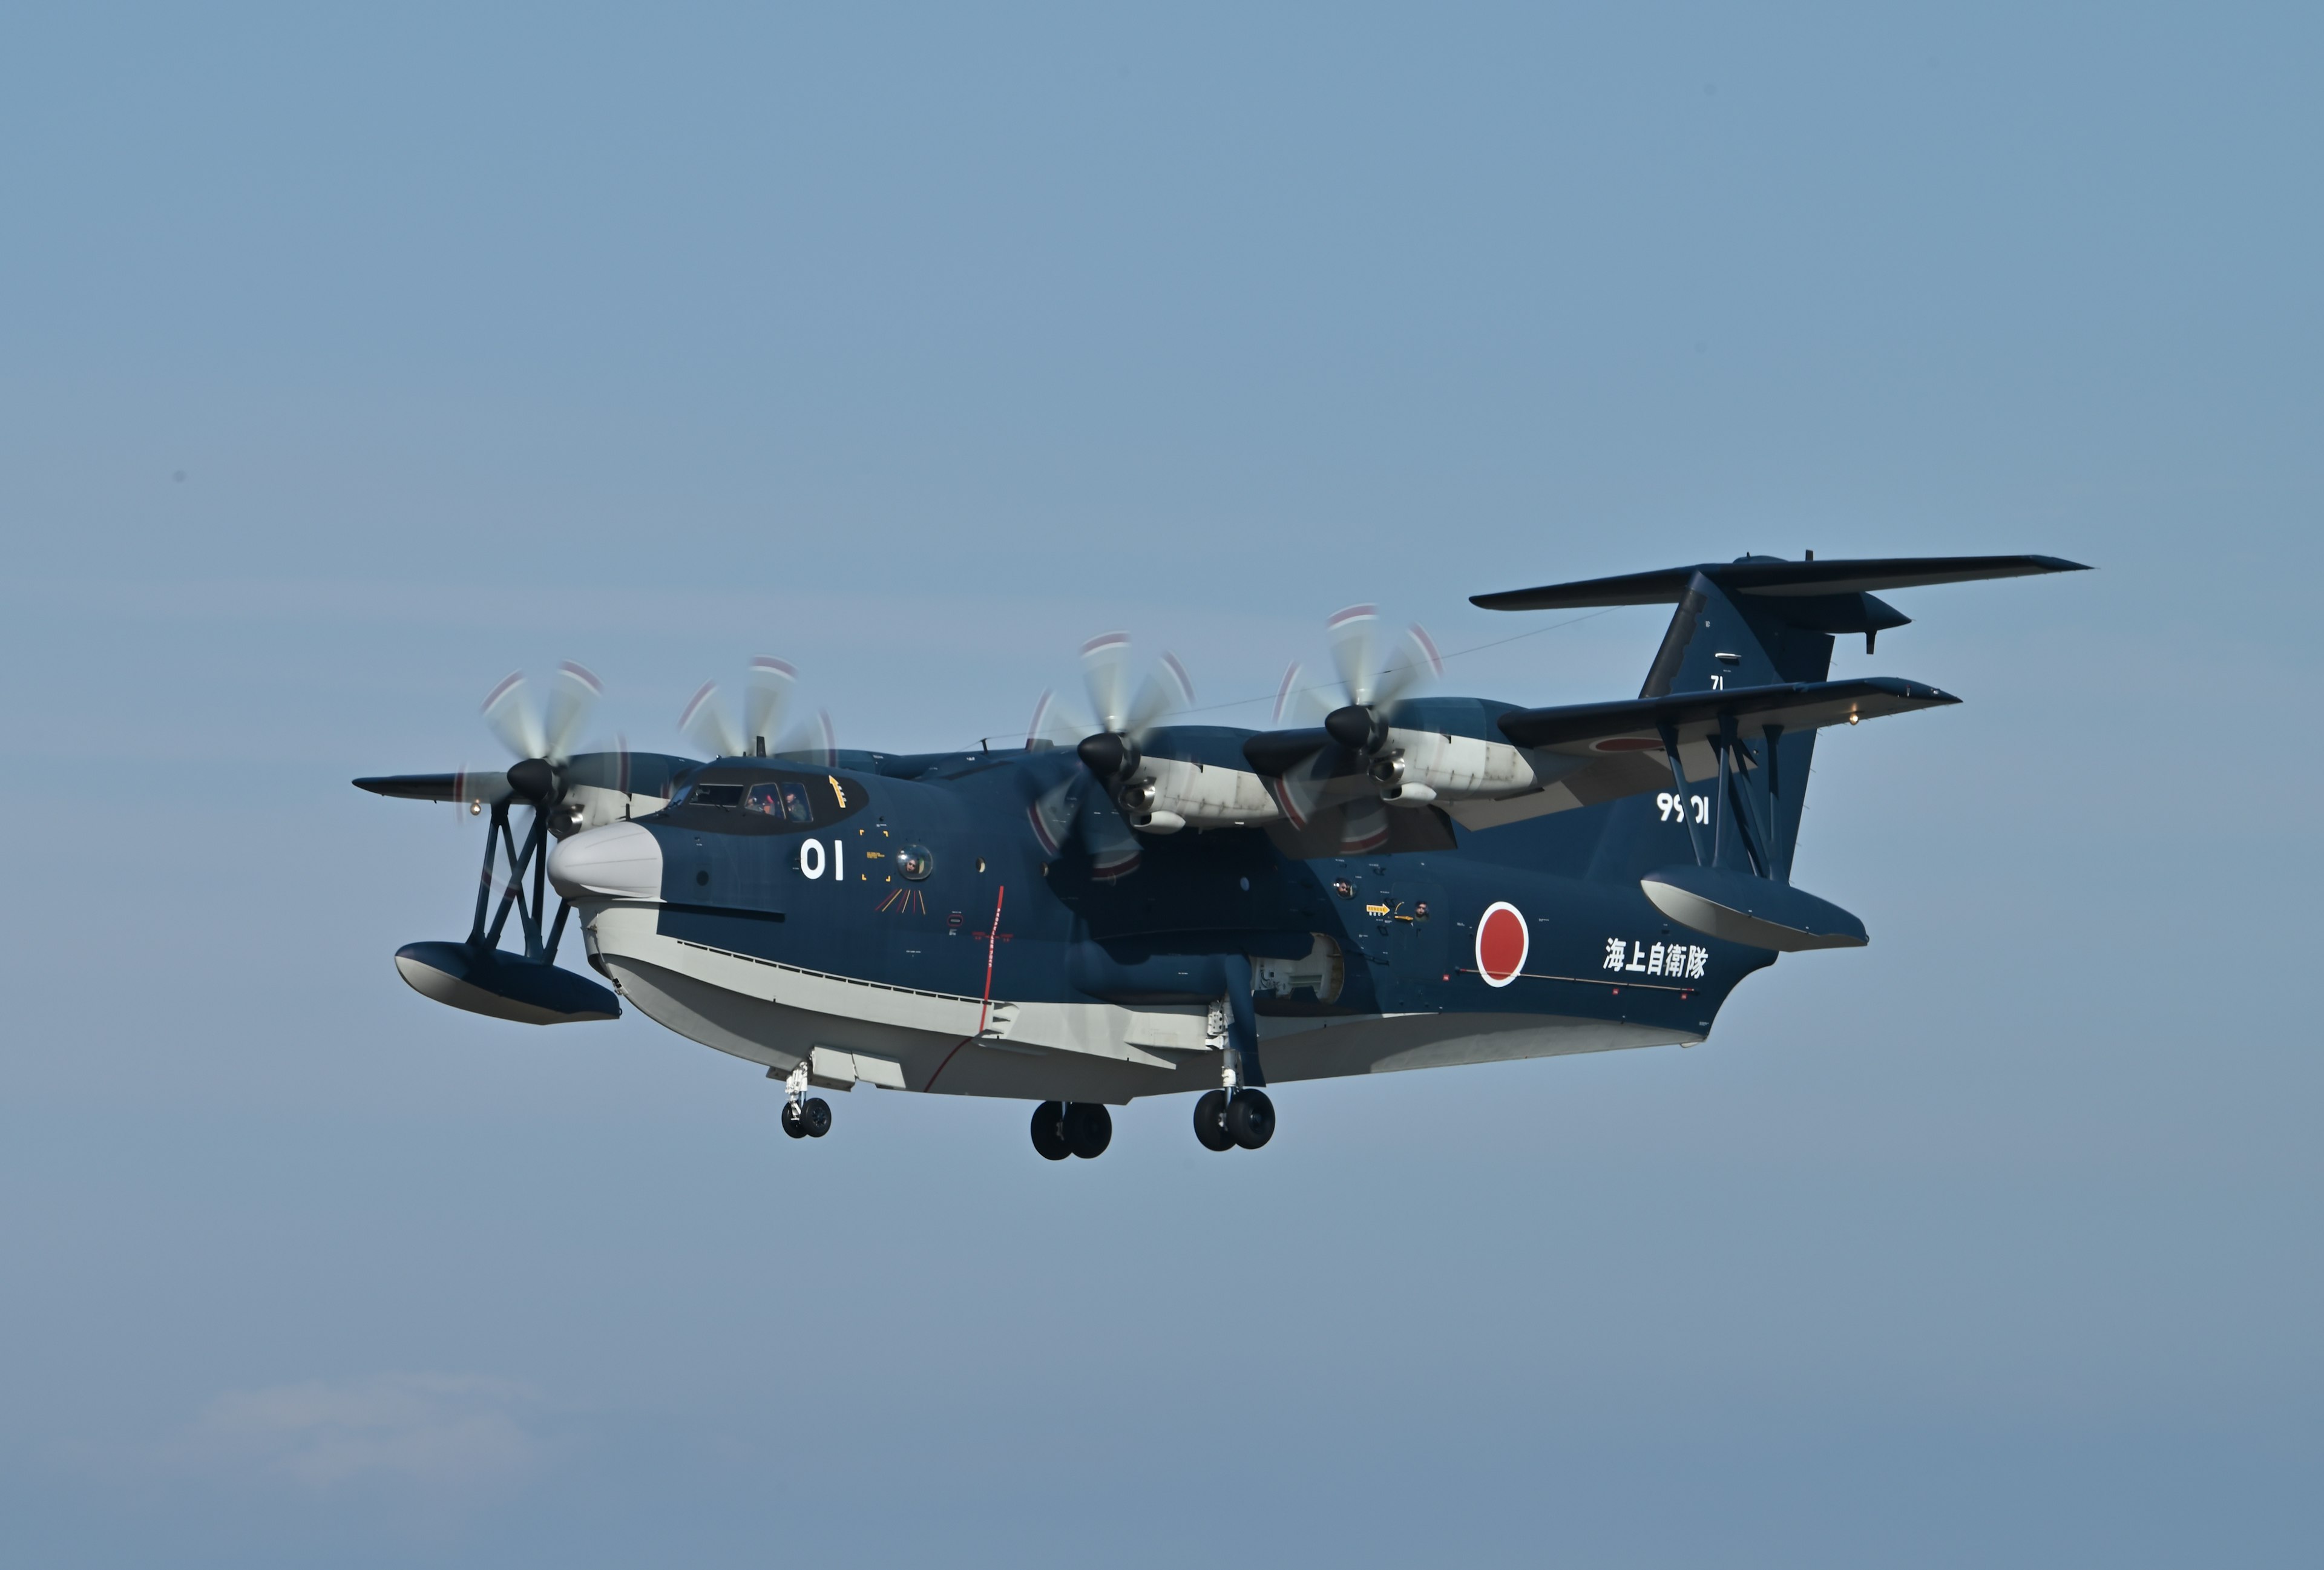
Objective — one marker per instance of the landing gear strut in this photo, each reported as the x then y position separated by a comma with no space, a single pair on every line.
1072,1128
1238,1113
1223,1121
805,1117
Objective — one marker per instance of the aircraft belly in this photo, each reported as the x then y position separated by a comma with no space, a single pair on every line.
775,1014
1386,1044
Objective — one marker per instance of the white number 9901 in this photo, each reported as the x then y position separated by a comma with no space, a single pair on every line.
1674,807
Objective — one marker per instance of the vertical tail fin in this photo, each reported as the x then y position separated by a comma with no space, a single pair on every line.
1754,621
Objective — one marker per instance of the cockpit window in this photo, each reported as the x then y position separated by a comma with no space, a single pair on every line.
714,795
783,798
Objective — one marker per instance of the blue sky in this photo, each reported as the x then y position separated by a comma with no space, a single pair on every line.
351,361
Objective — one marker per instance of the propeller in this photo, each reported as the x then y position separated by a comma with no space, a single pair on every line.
1311,771
543,740
1373,691
1109,741
767,690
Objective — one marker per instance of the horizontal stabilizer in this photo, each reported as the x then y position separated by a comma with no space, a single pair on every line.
1773,576
1636,725
1738,908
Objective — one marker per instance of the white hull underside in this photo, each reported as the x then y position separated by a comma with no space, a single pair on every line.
854,1030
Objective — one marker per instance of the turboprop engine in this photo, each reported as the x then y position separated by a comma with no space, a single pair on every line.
1414,768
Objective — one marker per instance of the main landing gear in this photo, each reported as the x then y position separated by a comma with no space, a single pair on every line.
805,1117
1245,1118
1238,1113
1072,1128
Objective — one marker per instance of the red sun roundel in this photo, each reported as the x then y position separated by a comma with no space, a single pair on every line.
1502,942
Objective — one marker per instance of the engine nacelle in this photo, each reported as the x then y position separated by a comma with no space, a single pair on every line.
1201,796
1157,822
1452,768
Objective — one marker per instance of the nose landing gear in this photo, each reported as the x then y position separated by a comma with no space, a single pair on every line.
1072,1128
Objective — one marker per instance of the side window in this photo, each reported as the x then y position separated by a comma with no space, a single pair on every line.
765,799
795,802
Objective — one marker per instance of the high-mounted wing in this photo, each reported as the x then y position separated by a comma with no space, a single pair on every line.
435,786
1585,754
1638,725
642,774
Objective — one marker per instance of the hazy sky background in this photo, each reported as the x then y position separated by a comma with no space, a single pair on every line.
346,364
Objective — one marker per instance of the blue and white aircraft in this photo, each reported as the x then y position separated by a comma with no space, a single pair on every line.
1125,907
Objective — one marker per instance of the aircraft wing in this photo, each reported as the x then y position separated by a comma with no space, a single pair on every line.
1636,724
651,774
1602,752
491,786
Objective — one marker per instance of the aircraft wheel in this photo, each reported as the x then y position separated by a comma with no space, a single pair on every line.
815,1115
1089,1129
1211,1121
1049,1131
792,1126
1251,1119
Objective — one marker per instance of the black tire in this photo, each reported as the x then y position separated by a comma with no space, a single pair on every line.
815,1113
1049,1131
1089,1129
1211,1121
791,1125
1251,1119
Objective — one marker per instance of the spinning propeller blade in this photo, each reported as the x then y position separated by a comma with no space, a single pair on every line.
706,724
1105,674
571,701
767,691
508,714
1297,704
1351,632
764,697
1364,684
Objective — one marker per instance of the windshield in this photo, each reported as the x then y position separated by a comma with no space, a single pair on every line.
783,799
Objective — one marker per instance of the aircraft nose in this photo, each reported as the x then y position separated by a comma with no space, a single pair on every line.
620,861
